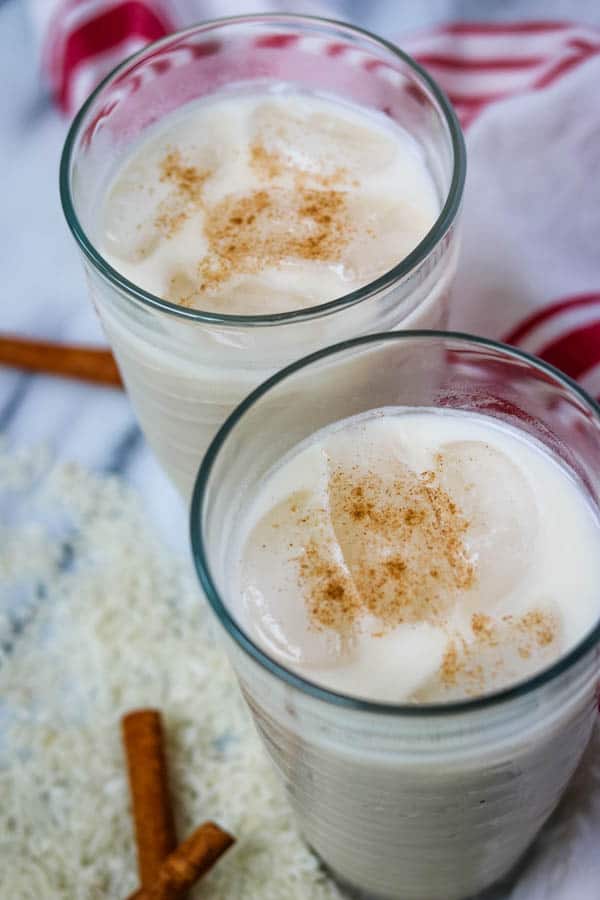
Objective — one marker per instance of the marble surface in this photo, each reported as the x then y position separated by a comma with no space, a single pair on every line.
42,280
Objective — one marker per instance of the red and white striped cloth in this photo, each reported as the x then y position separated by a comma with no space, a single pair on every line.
526,94
480,63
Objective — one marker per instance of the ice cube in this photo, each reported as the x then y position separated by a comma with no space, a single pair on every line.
395,664
264,293
375,444
155,194
400,536
292,569
499,504
320,142
182,288
129,230
385,232
494,652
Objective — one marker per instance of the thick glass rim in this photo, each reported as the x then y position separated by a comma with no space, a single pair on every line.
287,676
435,234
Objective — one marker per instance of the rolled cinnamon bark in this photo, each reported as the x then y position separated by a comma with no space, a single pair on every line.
86,363
148,780
189,862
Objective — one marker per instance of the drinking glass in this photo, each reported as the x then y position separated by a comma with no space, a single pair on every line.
411,802
186,369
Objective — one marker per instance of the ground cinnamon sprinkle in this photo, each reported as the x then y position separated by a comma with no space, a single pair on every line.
290,215
265,162
269,164
450,665
398,555
483,628
268,226
188,180
490,636
332,599
403,544
405,560
540,626
186,198
170,220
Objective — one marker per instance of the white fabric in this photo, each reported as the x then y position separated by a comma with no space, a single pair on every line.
532,204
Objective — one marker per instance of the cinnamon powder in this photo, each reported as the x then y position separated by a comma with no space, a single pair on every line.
188,180
403,545
404,560
187,183
290,215
266,227
535,629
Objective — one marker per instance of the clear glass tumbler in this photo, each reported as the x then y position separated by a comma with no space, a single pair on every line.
184,369
431,802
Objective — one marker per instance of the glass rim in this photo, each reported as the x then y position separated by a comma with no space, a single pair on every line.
293,679
443,222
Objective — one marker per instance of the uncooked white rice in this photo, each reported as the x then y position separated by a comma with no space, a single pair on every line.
96,617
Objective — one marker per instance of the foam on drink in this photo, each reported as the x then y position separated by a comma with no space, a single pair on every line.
419,556
267,202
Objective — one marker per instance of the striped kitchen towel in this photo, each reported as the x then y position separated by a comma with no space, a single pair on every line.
526,94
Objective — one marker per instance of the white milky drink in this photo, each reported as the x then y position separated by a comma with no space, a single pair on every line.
400,536
257,202
418,557
249,191
265,203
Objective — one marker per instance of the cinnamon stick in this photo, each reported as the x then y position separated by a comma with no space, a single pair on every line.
152,813
192,859
74,361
